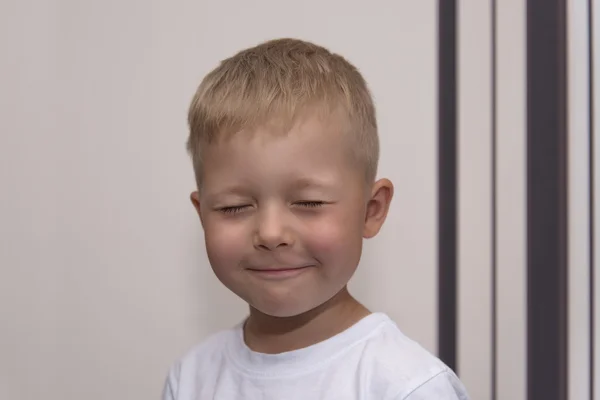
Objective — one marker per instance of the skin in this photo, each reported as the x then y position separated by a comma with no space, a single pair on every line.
284,217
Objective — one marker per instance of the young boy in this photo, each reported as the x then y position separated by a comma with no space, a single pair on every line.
284,143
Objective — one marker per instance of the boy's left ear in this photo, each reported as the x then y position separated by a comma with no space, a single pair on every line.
377,207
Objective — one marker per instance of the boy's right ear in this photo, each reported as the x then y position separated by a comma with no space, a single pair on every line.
195,198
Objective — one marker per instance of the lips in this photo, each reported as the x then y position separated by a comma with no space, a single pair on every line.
278,273
279,264
275,269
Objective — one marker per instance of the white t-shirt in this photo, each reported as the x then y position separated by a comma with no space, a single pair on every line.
370,360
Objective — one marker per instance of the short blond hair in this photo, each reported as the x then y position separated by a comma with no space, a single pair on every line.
279,80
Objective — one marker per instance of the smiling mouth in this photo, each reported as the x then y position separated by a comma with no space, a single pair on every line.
279,273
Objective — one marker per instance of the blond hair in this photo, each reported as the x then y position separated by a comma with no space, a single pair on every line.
277,81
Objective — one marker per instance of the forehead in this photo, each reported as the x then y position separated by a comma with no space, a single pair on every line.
316,148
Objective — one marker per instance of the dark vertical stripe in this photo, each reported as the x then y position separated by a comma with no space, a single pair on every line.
546,200
447,193
591,187
494,349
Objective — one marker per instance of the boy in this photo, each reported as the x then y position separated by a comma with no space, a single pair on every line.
284,143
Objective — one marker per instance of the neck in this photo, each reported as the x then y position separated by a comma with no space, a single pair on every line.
267,334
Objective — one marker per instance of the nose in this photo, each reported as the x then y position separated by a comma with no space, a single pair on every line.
272,230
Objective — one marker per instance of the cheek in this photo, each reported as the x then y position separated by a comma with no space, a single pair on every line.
224,243
339,235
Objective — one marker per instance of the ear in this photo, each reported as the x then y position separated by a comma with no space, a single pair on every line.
377,207
195,198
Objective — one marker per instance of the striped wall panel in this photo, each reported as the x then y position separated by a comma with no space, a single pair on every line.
447,181
594,47
578,147
476,222
518,171
511,186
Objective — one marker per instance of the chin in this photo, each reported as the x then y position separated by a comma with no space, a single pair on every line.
283,307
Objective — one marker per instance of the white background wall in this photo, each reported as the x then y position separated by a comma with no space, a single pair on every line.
103,277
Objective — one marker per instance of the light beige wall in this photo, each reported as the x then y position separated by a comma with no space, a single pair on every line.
103,279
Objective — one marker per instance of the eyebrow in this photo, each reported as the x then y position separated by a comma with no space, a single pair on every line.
304,183
235,190
297,184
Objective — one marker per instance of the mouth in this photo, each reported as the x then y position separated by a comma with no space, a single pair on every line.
279,273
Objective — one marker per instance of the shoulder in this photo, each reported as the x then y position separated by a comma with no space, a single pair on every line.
443,386
403,369
393,356
208,354
208,351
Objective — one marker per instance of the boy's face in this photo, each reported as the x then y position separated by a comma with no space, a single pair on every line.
284,215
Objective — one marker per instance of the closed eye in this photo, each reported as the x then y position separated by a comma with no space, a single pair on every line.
233,209
310,204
